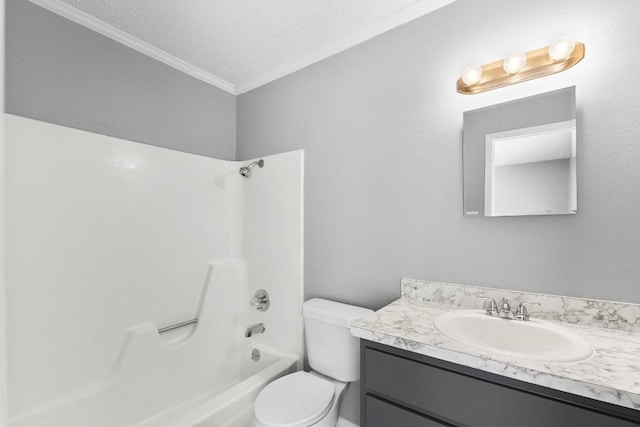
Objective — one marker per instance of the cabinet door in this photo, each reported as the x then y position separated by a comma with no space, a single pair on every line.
460,399
383,414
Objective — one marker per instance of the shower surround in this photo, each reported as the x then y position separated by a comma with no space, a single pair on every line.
111,240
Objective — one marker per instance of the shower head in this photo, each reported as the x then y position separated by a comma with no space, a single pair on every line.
246,170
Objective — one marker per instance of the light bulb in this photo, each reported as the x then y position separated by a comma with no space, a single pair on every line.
561,48
471,75
514,63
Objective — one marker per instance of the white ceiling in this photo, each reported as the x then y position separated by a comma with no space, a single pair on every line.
239,45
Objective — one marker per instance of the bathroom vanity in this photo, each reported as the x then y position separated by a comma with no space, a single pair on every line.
401,388
412,375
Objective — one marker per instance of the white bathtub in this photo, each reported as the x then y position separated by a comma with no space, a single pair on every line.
228,403
198,376
232,407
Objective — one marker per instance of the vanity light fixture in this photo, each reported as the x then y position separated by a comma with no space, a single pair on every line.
561,54
561,48
471,75
514,63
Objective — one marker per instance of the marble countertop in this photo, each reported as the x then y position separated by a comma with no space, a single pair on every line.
611,374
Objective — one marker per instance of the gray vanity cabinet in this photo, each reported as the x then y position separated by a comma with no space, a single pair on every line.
403,389
384,414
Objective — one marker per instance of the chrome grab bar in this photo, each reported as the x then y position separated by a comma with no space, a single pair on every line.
177,325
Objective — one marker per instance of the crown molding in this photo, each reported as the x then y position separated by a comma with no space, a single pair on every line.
60,8
408,14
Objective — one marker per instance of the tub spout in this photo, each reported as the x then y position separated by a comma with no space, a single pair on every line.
255,329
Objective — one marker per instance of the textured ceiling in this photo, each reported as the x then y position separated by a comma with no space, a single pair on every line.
250,42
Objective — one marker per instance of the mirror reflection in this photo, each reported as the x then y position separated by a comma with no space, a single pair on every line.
519,157
531,171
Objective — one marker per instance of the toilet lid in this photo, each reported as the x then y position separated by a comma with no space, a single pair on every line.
294,400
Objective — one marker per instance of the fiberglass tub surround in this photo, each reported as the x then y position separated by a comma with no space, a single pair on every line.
610,329
112,240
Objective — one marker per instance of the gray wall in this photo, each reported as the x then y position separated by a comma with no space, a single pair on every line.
60,72
532,187
381,125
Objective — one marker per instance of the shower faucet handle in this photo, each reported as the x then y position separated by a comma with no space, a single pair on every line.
260,300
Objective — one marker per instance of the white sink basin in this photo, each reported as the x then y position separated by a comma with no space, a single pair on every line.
534,340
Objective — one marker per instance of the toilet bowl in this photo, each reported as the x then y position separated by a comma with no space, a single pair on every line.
304,399
301,399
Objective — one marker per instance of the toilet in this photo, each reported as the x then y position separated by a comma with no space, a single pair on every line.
313,398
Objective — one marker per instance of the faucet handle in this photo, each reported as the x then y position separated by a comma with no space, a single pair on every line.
260,300
490,306
505,306
522,313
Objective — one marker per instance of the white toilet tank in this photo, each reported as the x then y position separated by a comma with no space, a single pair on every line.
331,349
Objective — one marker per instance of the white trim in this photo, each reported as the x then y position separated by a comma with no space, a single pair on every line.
489,177
107,30
490,163
4,351
408,14
344,423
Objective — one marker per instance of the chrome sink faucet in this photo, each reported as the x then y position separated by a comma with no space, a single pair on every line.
503,310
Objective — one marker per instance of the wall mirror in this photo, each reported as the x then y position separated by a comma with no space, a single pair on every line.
519,157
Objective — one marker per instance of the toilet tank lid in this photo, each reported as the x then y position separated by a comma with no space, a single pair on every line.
333,312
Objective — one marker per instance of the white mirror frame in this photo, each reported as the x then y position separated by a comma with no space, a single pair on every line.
492,139
4,417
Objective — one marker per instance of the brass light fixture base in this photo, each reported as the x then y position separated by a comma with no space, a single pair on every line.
539,64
